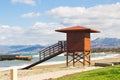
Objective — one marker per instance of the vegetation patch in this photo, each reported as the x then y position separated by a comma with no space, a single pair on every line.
107,73
116,50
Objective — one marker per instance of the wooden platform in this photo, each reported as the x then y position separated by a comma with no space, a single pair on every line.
15,57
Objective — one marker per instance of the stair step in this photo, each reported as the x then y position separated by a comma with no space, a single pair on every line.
50,52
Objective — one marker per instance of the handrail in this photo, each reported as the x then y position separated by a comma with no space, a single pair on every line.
51,50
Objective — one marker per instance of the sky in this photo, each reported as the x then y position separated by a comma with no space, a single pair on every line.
31,22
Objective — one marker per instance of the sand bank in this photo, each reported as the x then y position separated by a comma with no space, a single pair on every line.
53,71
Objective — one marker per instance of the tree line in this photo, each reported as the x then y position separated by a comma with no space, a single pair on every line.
105,50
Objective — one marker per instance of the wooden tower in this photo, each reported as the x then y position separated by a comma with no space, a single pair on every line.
78,44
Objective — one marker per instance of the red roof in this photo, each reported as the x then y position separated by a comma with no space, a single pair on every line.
77,28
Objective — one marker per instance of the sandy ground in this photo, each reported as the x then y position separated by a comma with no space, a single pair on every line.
53,71
56,74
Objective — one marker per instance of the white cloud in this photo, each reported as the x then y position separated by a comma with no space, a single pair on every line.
100,11
45,33
2,37
30,2
9,29
39,33
102,17
45,28
30,15
66,12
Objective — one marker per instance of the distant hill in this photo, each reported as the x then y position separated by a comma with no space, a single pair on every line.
105,42
97,43
19,48
28,48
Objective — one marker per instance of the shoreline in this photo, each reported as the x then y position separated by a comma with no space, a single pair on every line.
59,62
53,68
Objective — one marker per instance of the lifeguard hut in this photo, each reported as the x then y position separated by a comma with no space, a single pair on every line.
78,44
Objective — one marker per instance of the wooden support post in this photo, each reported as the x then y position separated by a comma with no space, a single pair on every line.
61,46
40,56
49,51
86,58
89,59
83,58
14,74
67,59
73,59
58,45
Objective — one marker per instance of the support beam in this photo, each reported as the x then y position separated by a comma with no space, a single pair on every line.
83,58
67,59
73,59
86,58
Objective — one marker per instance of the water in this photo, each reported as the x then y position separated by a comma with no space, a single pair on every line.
9,64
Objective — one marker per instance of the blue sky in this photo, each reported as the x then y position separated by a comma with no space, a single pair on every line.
34,21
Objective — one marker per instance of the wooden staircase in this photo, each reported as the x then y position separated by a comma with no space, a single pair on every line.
50,52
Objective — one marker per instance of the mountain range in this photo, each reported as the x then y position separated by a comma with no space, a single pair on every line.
105,43
20,48
97,43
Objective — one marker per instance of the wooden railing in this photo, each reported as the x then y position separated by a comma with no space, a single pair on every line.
59,47
49,53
